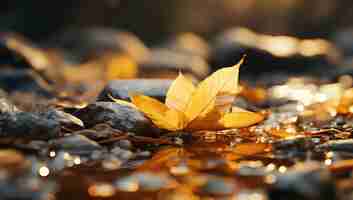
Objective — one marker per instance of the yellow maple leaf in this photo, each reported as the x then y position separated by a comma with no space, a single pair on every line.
159,113
180,85
205,107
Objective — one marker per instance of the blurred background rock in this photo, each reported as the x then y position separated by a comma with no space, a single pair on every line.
154,20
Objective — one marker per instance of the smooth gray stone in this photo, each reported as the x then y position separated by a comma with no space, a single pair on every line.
27,125
121,117
75,144
345,145
156,88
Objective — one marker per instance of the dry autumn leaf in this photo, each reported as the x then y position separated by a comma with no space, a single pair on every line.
159,113
205,107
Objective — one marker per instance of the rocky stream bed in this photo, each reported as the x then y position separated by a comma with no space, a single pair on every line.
63,137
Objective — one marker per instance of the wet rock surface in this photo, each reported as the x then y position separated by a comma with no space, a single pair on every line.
337,145
145,181
311,182
270,53
28,125
77,143
218,187
121,117
65,119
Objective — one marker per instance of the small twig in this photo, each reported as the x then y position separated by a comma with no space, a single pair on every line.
114,139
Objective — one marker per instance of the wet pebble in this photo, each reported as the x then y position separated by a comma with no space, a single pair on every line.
307,181
218,186
298,147
61,160
28,125
119,89
121,117
122,153
145,181
76,144
26,189
143,154
124,144
250,171
103,190
97,155
111,163
298,143
97,135
345,145
38,146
